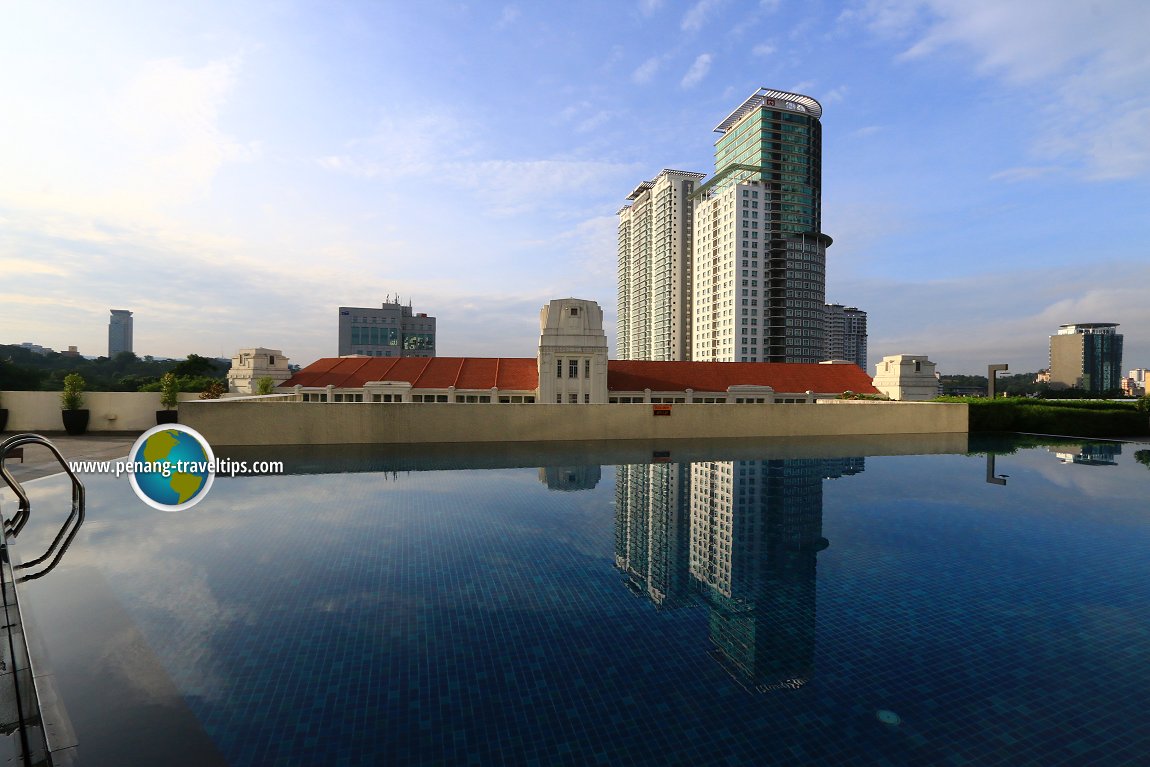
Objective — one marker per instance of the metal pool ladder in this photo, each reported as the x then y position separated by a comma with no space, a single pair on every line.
37,568
37,730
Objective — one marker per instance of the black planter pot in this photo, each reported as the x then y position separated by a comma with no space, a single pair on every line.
75,421
3,418
167,416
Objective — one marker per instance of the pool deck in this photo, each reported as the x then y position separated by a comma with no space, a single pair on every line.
38,462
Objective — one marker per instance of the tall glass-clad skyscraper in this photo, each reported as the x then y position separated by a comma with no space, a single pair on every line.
760,254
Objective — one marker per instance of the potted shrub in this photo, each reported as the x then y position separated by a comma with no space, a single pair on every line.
72,403
265,385
169,391
215,390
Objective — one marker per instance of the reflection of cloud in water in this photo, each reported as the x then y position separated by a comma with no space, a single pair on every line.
188,578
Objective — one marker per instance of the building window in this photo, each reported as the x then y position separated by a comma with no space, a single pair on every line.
558,399
558,368
574,312
573,368
586,368
586,399
573,399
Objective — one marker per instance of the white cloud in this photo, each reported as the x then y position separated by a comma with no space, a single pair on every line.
649,7
1005,316
835,95
594,122
1085,65
508,16
1024,173
149,142
763,49
696,17
698,71
645,71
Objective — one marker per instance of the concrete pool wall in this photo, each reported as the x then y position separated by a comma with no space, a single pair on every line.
271,422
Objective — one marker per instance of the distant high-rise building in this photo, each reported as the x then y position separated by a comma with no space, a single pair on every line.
392,330
35,348
844,334
654,252
733,270
1134,385
119,332
759,252
1087,356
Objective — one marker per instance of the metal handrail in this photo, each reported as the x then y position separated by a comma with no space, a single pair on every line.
13,527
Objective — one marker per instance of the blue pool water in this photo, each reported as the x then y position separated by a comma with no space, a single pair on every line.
835,608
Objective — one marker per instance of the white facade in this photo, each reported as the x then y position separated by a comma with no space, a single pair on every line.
654,254
730,286
907,378
735,316
250,365
572,353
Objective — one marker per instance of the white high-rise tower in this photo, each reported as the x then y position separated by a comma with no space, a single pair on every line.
655,269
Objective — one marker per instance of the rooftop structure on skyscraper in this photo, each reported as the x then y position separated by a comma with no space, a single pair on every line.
759,252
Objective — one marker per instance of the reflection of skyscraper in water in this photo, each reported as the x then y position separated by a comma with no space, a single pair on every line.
747,534
652,522
1091,453
756,527
570,478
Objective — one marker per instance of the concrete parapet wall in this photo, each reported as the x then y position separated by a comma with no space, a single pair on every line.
39,411
302,423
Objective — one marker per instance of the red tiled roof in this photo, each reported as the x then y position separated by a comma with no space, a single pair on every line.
791,377
509,374
521,374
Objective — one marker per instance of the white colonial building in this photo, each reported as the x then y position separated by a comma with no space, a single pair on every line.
907,377
250,365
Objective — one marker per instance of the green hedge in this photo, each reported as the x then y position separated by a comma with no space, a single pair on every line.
1089,418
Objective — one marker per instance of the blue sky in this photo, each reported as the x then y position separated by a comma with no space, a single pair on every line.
233,172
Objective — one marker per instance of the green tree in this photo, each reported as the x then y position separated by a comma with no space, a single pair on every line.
195,365
72,397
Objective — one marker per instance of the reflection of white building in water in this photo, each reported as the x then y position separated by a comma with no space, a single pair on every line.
1091,454
571,478
741,538
652,522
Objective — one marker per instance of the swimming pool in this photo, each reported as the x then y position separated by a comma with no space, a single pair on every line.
781,608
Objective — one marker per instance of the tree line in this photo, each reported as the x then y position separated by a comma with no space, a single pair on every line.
1018,385
24,370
